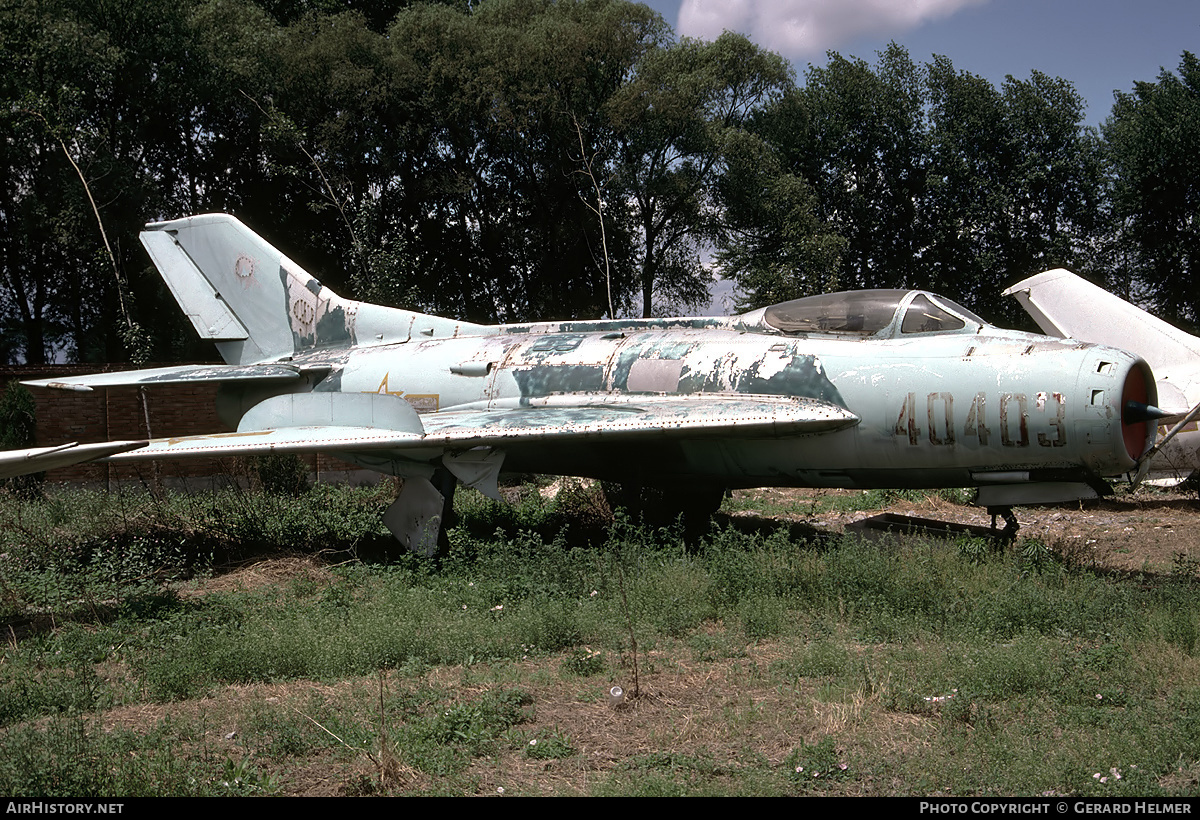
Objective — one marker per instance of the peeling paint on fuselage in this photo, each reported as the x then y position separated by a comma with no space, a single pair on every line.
774,373
550,379
933,408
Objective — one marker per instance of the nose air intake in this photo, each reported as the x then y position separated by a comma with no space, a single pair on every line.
1138,413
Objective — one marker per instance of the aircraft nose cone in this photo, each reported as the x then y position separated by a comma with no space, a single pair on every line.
1136,412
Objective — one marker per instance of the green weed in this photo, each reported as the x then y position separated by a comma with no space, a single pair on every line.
443,739
553,746
583,662
1014,672
817,767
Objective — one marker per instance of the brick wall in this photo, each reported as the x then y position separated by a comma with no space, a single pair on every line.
116,413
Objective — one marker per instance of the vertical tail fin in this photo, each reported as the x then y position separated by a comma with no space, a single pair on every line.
258,305
1064,304
242,293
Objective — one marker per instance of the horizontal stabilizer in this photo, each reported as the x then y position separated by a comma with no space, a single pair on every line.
39,459
181,374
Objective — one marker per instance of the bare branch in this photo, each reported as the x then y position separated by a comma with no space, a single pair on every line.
598,210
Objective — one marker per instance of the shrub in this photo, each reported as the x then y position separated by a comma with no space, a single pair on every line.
18,430
282,474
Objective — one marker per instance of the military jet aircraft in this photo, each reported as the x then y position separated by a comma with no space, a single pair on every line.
1066,305
863,389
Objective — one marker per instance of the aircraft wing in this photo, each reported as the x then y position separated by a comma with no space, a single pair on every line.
387,426
180,374
360,422
382,424
38,459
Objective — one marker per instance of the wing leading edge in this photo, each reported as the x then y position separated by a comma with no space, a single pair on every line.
38,459
368,422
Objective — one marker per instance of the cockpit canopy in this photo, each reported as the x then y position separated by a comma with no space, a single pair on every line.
884,314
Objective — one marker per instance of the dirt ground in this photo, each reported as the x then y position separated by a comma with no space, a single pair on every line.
1145,530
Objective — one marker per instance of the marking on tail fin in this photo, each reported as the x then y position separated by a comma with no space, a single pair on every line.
243,269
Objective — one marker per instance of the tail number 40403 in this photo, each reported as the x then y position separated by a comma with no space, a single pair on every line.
936,420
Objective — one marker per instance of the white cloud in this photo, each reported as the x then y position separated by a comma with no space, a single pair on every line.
809,28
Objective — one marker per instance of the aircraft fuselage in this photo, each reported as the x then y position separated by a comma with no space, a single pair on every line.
935,410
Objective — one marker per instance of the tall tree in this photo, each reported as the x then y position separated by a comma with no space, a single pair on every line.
673,121
494,209
61,153
931,177
100,100
1153,137
862,147
772,243
1017,183
971,162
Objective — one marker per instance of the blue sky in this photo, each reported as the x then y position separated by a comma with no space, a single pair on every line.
1098,45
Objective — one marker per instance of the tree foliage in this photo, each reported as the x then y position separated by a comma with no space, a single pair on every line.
674,123
429,154
515,160
1153,138
920,176
772,243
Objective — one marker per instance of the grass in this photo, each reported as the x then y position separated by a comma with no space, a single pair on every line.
238,644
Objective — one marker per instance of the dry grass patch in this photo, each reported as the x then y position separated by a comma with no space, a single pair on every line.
262,572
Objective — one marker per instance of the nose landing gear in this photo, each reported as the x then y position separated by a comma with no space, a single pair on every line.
1011,525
